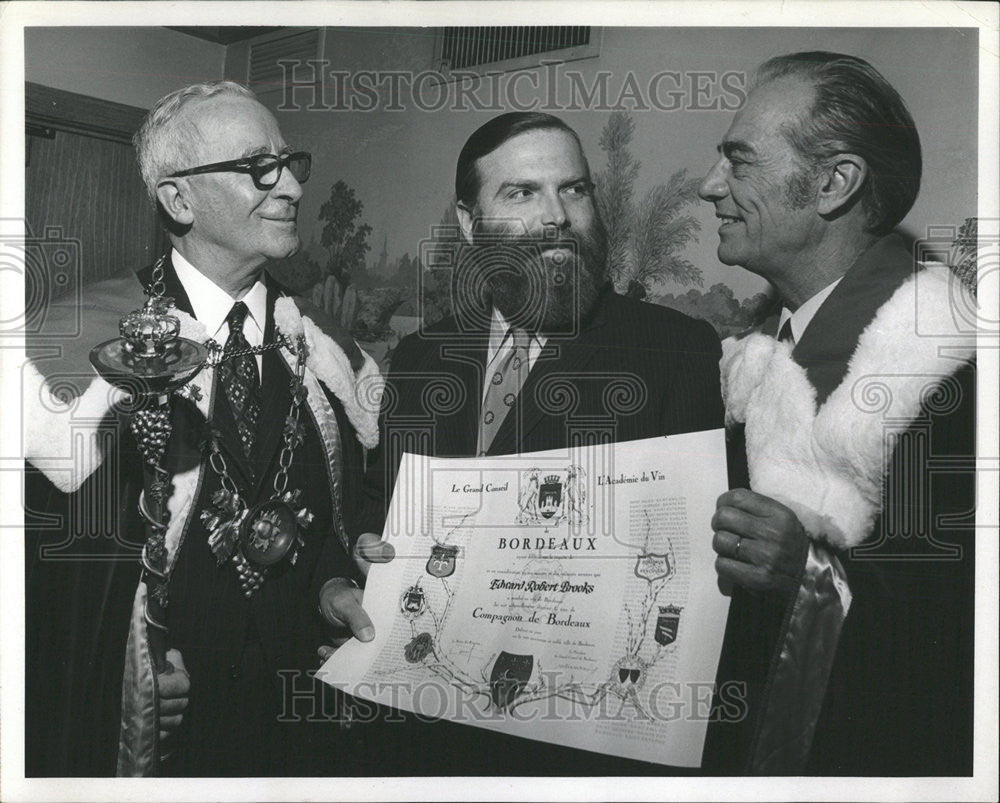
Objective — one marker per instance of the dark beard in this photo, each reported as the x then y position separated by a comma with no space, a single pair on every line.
542,292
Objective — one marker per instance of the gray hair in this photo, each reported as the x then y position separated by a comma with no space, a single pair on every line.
160,143
855,110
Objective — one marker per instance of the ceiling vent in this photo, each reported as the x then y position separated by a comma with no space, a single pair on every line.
471,47
505,49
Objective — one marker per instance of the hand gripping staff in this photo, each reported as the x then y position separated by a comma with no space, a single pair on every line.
149,362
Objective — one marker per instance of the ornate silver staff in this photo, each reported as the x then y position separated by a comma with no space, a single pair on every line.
149,362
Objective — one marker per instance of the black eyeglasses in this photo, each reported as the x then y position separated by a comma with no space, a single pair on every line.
264,168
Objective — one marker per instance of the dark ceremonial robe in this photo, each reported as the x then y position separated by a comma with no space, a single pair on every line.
633,371
899,696
253,709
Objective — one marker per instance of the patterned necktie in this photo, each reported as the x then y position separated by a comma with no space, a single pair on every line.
505,384
240,379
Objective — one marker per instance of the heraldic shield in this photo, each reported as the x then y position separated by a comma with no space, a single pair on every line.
652,567
412,602
629,674
509,677
441,563
550,496
666,624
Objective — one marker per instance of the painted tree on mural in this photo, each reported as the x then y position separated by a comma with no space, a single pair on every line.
343,236
720,307
646,238
345,240
299,272
391,286
437,283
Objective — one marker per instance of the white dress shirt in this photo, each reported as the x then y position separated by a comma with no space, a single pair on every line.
501,345
803,315
211,304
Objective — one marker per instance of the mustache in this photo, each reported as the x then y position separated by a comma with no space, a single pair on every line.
511,240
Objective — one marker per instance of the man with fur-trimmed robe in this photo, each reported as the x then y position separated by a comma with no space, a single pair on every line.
850,549
236,699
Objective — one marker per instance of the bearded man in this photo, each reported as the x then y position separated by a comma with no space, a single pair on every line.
540,354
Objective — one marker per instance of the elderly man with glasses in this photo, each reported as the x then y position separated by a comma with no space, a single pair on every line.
263,460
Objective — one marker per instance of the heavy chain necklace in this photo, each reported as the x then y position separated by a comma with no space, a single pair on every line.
259,537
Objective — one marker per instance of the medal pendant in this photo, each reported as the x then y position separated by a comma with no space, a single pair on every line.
269,532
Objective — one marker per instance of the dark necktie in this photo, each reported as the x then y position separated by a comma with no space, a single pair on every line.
240,379
785,335
505,383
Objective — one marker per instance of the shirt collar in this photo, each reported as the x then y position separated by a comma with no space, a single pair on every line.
804,314
498,334
210,303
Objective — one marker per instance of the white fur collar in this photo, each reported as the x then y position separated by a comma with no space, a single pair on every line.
55,422
828,465
360,393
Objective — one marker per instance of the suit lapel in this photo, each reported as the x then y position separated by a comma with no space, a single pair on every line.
172,287
829,341
563,356
275,399
466,363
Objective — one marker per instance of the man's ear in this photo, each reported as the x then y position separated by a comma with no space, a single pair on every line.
466,220
843,180
170,194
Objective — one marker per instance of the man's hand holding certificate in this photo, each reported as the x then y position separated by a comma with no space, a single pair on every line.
566,596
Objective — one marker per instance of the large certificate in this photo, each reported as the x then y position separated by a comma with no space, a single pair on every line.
568,596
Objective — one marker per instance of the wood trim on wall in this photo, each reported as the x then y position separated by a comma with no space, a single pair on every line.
81,182
67,111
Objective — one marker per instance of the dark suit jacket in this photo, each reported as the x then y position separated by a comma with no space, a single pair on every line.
633,371
899,698
233,648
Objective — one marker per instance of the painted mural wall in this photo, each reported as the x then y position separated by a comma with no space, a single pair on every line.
650,105
650,109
